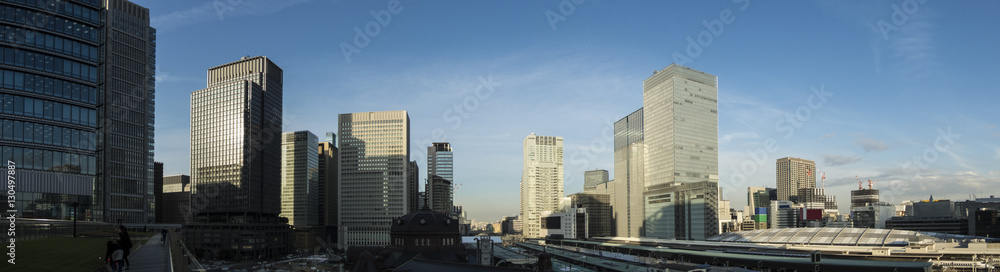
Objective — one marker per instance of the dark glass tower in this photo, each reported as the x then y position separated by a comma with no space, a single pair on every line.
76,107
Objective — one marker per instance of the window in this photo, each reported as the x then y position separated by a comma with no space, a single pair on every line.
18,131
29,132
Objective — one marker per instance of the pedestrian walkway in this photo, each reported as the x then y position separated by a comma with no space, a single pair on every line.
152,256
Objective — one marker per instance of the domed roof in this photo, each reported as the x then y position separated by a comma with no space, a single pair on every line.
424,221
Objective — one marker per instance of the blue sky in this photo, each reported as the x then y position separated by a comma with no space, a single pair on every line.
912,105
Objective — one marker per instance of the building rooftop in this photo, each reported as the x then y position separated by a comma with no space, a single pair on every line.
840,236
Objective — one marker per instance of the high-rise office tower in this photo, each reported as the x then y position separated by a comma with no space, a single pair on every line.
413,187
440,177
374,175
681,136
541,181
236,160
328,181
592,178
760,197
236,139
792,174
300,178
78,110
630,154
127,150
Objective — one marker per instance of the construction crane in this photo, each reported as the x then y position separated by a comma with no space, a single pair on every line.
859,182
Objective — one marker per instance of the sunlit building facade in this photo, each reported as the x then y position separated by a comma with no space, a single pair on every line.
300,178
541,181
681,137
374,175
236,163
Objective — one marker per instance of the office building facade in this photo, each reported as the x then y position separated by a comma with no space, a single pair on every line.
236,162
598,208
300,178
374,184
681,140
760,197
630,156
327,162
440,177
594,177
792,174
413,186
176,200
77,111
683,211
541,181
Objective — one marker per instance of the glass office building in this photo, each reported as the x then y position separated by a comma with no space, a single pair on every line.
300,178
236,163
236,143
72,101
440,177
681,136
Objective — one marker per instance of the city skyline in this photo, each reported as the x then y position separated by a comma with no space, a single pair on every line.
869,105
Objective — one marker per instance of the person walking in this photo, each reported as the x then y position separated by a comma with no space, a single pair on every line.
113,256
126,244
163,236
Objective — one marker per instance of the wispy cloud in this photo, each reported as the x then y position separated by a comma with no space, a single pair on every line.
219,11
913,46
835,160
871,145
828,136
739,135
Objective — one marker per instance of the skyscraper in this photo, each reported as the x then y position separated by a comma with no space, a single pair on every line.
328,181
440,177
75,125
792,174
630,155
541,181
594,177
374,175
681,136
413,187
300,178
129,95
236,160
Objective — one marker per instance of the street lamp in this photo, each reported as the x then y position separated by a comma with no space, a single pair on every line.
75,215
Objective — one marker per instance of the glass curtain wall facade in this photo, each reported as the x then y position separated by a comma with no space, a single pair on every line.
300,178
681,136
374,175
440,177
236,143
630,155
55,92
